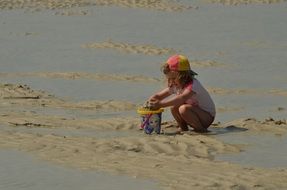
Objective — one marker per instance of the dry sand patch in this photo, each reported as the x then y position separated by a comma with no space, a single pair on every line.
229,109
222,91
279,92
23,95
268,125
161,5
84,75
205,63
18,91
244,2
130,48
34,120
96,105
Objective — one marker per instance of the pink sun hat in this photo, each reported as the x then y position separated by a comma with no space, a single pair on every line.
179,63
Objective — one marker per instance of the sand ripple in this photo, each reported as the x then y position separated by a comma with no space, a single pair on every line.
43,4
171,160
279,92
245,2
18,91
162,5
229,109
96,105
130,48
205,63
83,75
177,162
269,125
33,120
222,91
22,95
23,91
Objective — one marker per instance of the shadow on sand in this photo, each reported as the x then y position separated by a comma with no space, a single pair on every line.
170,129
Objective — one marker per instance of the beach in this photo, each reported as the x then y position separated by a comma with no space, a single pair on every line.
73,74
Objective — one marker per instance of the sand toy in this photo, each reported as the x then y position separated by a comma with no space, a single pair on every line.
150,119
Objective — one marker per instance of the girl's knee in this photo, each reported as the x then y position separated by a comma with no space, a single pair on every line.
183,109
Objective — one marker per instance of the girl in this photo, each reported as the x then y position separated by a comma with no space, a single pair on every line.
192,104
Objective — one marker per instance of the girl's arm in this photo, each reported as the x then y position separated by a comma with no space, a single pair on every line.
173,101
160,95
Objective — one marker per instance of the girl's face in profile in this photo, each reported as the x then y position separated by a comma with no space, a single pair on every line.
172,80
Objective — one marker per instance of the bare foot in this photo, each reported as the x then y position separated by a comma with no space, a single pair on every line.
203,130
180,131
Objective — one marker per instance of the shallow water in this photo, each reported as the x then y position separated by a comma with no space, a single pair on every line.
21,171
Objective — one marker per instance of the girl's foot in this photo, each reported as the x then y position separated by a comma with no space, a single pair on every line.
181,130
203,130
183,127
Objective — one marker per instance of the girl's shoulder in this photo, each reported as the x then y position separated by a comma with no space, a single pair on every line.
189,85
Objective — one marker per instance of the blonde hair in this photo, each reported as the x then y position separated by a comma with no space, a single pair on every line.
184,77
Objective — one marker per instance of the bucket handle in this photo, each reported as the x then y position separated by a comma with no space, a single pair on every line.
145,122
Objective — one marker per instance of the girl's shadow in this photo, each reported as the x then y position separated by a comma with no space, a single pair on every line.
228,129
170,129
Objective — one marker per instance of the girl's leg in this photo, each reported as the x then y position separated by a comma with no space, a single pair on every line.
199,119
181,123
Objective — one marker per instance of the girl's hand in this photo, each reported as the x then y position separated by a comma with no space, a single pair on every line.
154,104
153,98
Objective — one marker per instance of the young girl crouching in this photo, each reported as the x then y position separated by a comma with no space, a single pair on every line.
191,104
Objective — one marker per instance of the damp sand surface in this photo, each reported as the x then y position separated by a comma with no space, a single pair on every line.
22,171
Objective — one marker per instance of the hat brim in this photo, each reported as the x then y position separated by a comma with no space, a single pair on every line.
192,72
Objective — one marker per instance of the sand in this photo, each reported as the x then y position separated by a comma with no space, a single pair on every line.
99,131
164,5
175,161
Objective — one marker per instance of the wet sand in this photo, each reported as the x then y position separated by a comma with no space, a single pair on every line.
23,171
69,96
